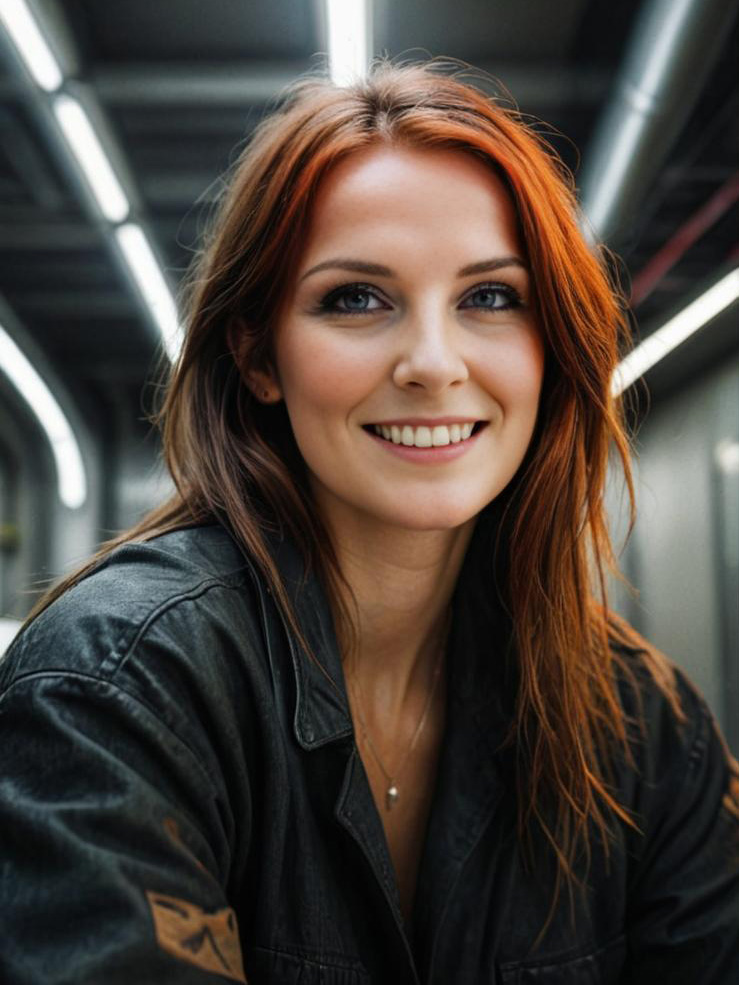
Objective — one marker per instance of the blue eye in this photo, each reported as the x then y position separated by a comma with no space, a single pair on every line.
493,297
352,299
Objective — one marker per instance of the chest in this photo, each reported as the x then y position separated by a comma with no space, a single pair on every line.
405,816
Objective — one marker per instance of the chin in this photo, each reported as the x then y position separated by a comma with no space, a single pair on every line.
441,516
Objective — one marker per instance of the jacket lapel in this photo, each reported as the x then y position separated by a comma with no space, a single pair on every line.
322,717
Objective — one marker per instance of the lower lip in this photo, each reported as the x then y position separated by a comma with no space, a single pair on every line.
428,456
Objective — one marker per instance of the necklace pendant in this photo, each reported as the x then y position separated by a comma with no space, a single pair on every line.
391,796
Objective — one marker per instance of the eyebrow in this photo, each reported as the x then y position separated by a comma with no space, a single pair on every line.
379,270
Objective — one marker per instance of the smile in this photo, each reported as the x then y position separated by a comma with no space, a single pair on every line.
426,437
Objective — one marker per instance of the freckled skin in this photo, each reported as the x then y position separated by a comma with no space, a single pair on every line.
421,348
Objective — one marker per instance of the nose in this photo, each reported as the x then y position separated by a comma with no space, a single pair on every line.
430,356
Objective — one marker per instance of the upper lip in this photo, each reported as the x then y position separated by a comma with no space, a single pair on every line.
429,422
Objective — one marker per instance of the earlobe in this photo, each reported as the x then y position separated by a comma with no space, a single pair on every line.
263,383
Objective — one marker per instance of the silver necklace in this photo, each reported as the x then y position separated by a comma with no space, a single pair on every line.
392,791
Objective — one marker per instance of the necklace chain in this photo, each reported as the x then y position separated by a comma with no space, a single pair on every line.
392,792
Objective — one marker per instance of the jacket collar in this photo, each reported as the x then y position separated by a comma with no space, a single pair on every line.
321,707
481,669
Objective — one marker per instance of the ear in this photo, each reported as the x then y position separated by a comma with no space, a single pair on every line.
263,383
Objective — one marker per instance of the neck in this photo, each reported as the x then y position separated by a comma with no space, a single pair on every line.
401,584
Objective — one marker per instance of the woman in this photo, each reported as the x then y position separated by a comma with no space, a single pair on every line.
346,709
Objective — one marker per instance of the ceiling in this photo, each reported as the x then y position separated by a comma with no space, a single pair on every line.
177,86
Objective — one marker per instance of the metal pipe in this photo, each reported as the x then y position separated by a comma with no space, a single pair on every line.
674,46
677,245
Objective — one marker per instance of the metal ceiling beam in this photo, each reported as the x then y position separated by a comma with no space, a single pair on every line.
30,233
239,84
81,305
179,191
542,87
673,47
248,83
32,171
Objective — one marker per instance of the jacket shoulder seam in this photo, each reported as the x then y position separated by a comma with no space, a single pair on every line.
131,635
117,657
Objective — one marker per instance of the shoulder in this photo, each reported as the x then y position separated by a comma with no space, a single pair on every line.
664,712
681,871
682,772
174,588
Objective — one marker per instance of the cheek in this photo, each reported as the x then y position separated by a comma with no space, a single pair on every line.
319,374
514,374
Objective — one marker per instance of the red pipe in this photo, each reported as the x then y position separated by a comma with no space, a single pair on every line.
678,244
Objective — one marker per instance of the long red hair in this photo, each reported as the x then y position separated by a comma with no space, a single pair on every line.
236,460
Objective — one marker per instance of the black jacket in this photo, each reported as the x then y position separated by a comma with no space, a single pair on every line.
180,786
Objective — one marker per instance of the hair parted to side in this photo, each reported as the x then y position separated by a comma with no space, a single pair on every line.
233,458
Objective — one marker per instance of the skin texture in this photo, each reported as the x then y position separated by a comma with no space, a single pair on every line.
427,344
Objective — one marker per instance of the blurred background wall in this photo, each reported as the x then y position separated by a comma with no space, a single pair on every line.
639,98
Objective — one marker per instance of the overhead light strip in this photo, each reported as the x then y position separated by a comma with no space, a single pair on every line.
348,34
83,140
88,151
70,471
674,332
140,258
31,44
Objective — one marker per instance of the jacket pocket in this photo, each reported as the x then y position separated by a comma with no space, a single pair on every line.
270,966
600,967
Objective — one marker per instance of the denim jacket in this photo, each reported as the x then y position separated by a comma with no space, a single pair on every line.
182,801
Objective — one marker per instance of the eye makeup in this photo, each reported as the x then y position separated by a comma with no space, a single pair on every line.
507,297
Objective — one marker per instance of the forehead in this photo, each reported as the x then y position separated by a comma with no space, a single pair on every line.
393,195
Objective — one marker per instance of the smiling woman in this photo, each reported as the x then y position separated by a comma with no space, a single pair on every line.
352,707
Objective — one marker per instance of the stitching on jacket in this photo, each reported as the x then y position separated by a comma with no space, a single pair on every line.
107,664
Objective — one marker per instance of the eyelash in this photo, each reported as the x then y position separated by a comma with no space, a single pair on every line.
328,303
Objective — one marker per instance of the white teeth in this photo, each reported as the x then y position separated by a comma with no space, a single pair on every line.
424,437
440,435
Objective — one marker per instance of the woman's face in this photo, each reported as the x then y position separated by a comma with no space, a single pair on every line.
410,315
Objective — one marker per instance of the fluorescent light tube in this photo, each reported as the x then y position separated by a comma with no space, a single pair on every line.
348,56
140,258
70,471
82,139
726,456
674,332
31,44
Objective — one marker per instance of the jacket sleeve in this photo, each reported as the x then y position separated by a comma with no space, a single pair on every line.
113,848
683,921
